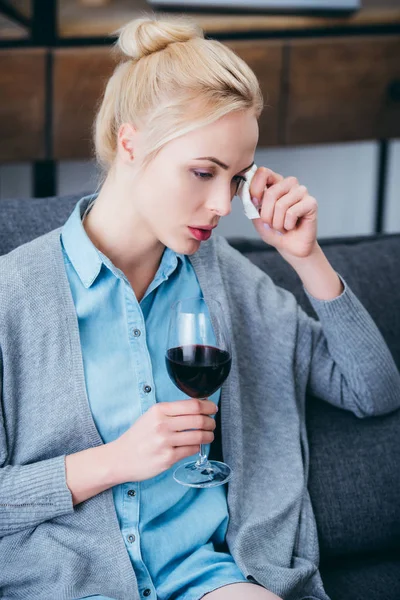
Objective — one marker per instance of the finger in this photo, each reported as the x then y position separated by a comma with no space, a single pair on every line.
263,178
294,195
184,452
266,209
189,438
307,206
191,406
184,423
266,232
272,195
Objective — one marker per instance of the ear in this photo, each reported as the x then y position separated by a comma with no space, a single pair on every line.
126,142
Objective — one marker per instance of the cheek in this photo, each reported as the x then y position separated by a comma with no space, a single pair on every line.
169,198
182,197
166,204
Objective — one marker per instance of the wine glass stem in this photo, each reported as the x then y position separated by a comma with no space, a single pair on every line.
202,461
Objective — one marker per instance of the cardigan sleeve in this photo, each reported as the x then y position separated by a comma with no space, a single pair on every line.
33,493
350,364
345,358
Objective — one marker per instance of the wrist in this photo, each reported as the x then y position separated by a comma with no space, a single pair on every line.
317,274
112,471
91,471
300,261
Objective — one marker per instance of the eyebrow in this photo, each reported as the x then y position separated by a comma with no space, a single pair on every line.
221,164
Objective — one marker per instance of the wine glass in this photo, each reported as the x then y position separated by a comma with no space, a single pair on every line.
198,361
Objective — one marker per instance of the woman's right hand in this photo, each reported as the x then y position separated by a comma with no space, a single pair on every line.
160,438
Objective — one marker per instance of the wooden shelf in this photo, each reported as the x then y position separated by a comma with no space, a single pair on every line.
76,20
81,21
329,86
343,89
331,90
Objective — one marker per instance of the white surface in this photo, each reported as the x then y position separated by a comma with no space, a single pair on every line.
392,216
76,177
15,180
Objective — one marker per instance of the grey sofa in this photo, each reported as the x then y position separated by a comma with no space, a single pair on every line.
355,463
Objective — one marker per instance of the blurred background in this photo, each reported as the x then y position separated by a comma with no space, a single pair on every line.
329,70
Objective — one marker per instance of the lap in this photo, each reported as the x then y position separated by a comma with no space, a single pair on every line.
238,591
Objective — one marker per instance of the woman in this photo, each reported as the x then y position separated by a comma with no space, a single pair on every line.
91,425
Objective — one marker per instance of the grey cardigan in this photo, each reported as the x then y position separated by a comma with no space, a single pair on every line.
50,549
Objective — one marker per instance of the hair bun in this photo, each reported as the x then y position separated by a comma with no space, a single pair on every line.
146,35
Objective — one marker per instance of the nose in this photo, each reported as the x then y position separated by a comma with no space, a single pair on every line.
221,202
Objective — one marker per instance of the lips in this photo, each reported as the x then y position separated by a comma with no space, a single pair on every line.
200,234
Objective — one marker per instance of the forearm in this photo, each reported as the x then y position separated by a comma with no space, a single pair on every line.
91,471
317,274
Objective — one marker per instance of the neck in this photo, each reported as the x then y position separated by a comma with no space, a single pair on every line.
117,230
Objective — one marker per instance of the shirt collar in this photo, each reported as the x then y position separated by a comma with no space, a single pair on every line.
87,260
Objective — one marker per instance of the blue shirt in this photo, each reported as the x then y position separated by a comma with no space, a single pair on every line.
169,529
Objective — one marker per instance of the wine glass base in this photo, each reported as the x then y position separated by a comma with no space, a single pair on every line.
212,474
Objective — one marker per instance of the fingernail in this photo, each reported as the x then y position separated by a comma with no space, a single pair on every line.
266,226
255,201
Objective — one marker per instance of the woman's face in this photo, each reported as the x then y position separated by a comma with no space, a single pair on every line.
191,182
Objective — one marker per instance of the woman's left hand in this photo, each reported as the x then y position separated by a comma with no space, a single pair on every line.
288,216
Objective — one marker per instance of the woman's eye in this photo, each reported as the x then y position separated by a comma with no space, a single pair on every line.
206,175
203,174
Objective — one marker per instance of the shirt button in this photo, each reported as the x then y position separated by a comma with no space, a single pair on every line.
147,592
131,493
136,332
131,538
147,389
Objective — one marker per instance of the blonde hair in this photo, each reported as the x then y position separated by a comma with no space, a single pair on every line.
171,82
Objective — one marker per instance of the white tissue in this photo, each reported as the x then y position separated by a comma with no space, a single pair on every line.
244,194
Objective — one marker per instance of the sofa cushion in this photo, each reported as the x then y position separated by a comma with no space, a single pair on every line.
366,577
22,220
354,480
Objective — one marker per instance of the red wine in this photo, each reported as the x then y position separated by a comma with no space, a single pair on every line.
198,371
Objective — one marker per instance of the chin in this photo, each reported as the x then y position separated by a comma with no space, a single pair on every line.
189,247
194,246
182,244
